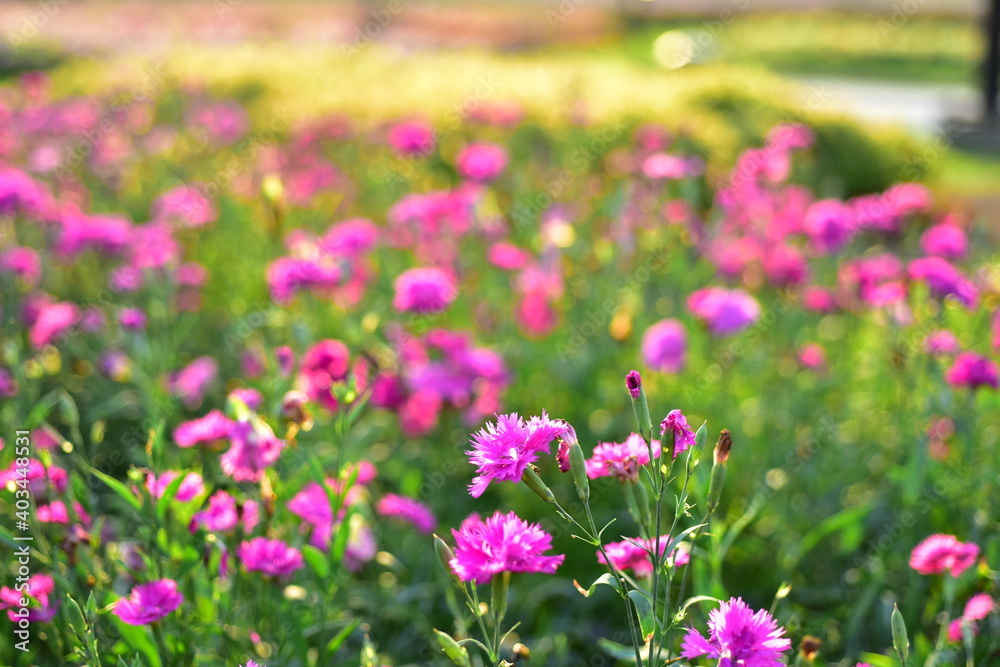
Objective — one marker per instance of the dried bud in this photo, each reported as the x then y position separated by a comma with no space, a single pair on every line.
809,647
634,383
521,652
293,408
722,447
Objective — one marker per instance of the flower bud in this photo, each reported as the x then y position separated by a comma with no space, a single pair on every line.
633,381
809,647
521,651
294,409
535,483
722,447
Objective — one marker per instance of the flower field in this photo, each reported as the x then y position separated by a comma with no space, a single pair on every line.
546,373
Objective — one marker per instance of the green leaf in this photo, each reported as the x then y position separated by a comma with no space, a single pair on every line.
123,491
878,660
700,437
900,641
645,613
452,648
138,637
616,650
43,407
682,612
169,494
317,561
341,636
605,579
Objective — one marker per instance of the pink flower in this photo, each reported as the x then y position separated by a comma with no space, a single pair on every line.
830,225
812,355
819,299
676,423
664,345
407,509
503,450
940,553
192,486
944,240
273,558
739,636
941,343
502,543
621,460
508,256
424,290
51,322
944,280
185,205
636,554
976,609
148,603
414,137
22,263
481,162
253,448
220,516
42,604
132,319
725,311
190,383
325,363
664,166
213,427
973,371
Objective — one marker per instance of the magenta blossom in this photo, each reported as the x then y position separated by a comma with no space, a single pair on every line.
739,636
664,345
408,509
976,609
676,423
186,206
254,447
502,543
944,280
220,516
482,162
636,554
273,558
945,240
424,290
812,355
192,486
940,553
43,605
724,311
621,460
941,343
191,382
326,362
414,137
503,450
148,603
212,428
973,371
51,322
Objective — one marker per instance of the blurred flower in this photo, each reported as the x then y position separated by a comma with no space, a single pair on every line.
212,428
976,609
185,206
424,290
620,460
50,322
944,240
830,225
8,385
739,636
253,448
941,343
272,558
944,280
220,516
323,364
812,355
148,603
286,360
408,509
972,370
725,311
940,553
132,319
503,543
636,554
819,299
414,137
23,263
504,449
38,589
41,479
508,256
481,162
190,382
676,422
664,345
192,486
248,396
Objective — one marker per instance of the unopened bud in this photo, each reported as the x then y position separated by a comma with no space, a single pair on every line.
446,555
535,483
293,408
809,647
722,447
521,652
633,382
